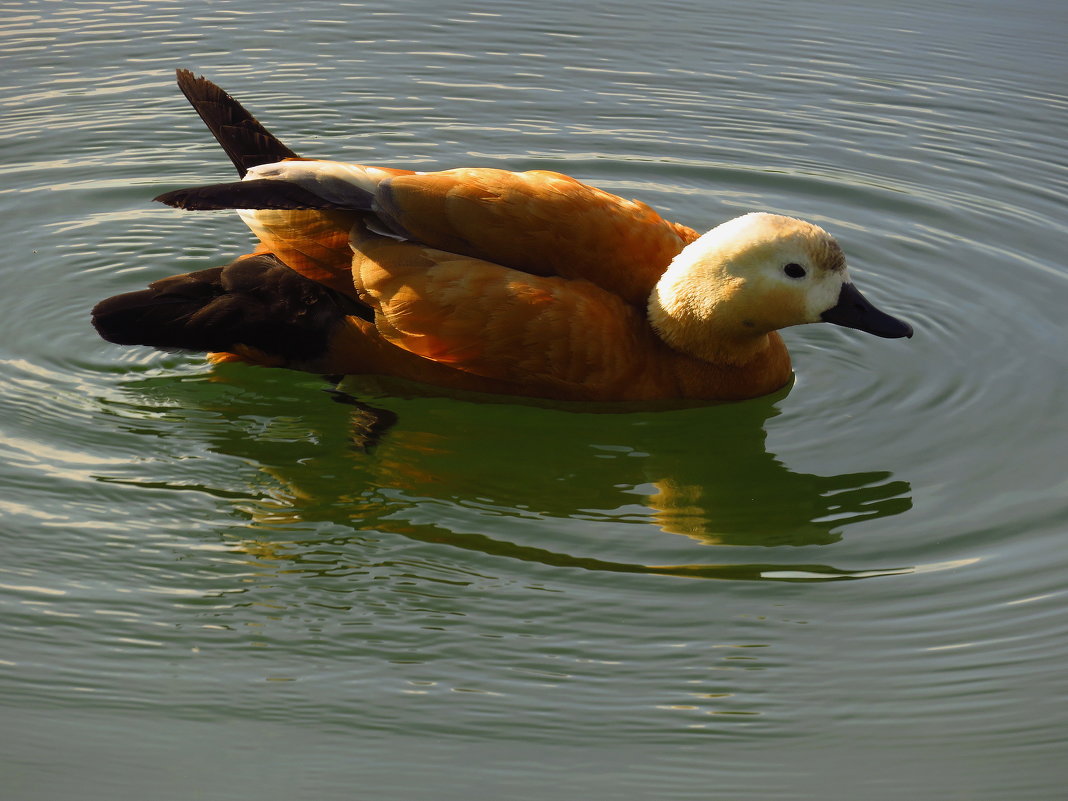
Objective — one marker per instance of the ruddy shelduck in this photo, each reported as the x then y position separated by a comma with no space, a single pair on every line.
526,284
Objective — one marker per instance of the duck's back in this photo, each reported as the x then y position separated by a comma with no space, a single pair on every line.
538,222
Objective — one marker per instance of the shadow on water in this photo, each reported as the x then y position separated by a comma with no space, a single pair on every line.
528,483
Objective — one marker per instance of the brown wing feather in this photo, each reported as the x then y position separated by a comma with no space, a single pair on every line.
550,336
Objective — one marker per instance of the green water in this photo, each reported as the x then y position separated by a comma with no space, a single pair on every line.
851,589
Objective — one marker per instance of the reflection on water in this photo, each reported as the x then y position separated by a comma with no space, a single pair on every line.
523,482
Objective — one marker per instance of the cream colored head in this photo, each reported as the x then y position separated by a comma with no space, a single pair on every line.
726,291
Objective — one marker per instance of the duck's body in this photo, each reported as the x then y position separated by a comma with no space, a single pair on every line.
530,284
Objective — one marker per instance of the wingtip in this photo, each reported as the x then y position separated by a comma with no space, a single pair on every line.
240,134
175,199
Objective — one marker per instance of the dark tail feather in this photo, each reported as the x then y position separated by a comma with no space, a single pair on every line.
253,194
245,140
255,301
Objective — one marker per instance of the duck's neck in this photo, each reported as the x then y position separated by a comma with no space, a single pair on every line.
705,324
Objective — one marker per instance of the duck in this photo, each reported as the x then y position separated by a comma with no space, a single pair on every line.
478,279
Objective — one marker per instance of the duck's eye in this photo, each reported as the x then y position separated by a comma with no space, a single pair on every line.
794,270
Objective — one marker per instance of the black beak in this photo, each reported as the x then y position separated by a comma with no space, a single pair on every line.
853,310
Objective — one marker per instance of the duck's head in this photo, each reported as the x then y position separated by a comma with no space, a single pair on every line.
726,291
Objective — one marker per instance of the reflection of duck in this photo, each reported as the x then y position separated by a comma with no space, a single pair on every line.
503,477
629,469
529,284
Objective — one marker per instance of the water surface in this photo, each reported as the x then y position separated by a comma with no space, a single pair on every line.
850,589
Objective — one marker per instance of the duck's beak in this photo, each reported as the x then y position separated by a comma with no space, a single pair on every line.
853,310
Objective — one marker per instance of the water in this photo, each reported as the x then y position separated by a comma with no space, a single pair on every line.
852,589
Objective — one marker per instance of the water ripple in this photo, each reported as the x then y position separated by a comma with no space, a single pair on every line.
199,546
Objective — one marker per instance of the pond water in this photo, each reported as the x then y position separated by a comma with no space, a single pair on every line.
851,589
